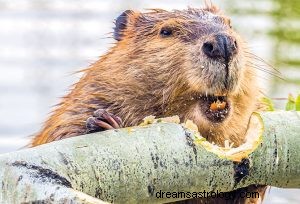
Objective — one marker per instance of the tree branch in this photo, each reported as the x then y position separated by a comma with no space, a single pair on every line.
131,165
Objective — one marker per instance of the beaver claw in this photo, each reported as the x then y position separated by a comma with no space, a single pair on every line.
102,120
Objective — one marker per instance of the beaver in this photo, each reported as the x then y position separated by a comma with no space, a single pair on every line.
189,63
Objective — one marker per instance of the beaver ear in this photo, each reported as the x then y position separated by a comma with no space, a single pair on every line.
121,24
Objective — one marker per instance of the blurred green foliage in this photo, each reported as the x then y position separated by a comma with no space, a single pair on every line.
268,103
283,32
293,103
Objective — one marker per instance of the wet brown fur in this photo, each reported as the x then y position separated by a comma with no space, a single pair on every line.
144,74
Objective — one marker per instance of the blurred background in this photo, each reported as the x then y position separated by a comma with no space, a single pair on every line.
43,42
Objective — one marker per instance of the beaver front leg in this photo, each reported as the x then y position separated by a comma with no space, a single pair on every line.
102,120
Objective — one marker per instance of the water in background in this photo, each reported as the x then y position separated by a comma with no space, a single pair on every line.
44,42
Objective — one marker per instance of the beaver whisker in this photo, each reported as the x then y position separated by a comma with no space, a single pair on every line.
265,71
261,63
264,63
262,68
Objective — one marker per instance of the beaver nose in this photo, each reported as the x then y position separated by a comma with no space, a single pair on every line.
222,46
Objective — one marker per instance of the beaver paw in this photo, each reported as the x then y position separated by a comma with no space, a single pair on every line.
102,120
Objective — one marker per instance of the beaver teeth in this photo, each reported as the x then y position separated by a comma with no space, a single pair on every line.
217,105
215,108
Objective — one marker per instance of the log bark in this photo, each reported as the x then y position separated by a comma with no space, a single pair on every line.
134,165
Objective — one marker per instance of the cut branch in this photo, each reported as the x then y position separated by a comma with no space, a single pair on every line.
131,165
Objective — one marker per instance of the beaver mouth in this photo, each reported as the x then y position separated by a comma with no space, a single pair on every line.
215,108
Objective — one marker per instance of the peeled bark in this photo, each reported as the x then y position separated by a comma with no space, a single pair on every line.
131,165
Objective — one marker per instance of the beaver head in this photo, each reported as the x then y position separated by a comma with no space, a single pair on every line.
189,63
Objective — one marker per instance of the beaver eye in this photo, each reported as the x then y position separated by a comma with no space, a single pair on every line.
166,32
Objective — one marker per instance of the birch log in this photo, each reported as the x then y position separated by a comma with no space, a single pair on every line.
131,165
